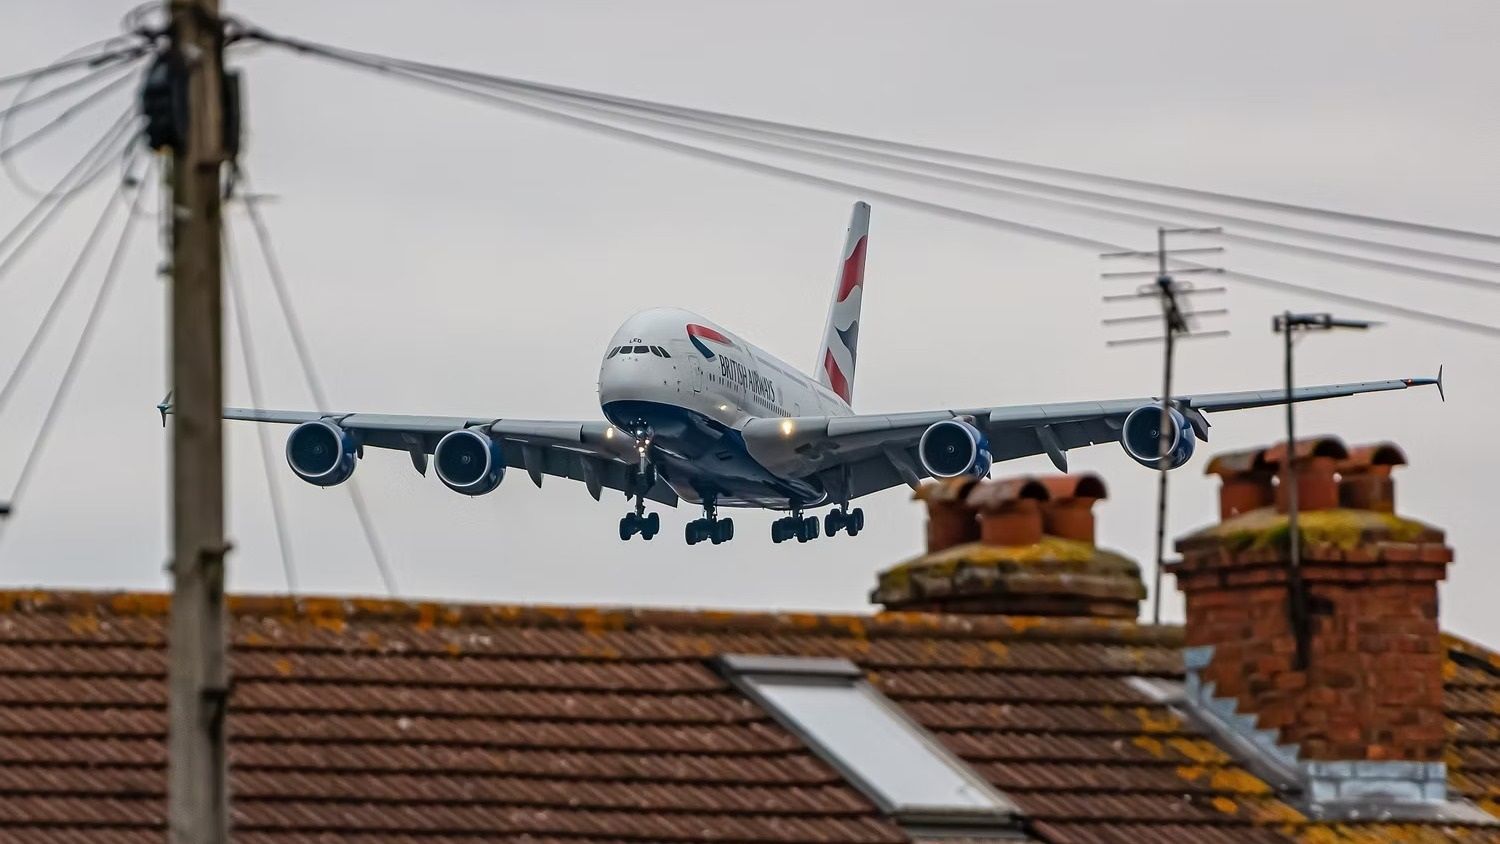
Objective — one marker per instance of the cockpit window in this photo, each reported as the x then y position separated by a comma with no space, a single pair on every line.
612,353
641,350
659,352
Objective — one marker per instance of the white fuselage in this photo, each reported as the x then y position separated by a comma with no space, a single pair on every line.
694,383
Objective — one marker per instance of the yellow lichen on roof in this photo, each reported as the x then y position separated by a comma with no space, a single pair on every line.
1199,750
1225,805
337,613
1150,723
1384,833
1342,528
1239,781
1055,551
1150,745
1271,811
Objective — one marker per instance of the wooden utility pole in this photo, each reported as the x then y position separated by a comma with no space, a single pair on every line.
197,768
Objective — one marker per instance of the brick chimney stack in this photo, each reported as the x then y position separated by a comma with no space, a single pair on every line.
1364,719
1017,546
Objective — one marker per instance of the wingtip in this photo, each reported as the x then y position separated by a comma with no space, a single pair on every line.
1436,382
165,407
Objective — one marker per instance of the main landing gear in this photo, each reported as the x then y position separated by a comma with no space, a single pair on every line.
850,521
648,525
805,528
710,527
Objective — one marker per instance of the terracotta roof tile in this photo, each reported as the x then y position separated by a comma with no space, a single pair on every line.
379,722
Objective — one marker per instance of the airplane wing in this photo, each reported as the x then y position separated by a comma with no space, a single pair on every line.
591,452
866,453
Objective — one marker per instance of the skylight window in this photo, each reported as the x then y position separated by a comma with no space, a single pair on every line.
859,731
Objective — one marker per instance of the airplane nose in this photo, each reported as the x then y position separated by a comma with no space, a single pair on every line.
627,378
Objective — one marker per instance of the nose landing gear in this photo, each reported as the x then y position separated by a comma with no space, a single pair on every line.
648,525
710,527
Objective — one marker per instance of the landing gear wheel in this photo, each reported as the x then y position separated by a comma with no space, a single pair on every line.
710,527
849,521
636,523
723,530
807,529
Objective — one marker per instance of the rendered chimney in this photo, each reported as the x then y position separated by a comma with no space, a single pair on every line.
1034,554
1372,689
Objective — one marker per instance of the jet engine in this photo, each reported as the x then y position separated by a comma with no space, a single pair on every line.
469,462
1141,436
321,453
954,447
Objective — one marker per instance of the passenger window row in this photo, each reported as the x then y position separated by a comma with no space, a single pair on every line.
637,350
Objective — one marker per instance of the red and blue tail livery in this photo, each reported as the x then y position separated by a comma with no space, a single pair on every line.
698,333
835,367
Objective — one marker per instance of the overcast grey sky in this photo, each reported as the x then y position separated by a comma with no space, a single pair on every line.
453,258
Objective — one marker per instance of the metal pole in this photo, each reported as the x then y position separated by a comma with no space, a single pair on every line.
198,806
1296,604
1164,281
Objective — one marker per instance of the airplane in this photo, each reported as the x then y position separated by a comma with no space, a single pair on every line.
695,413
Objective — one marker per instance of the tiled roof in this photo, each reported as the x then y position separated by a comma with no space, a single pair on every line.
385,722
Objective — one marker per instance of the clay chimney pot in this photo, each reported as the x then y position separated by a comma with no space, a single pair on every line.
1069,510
951,520
1316,460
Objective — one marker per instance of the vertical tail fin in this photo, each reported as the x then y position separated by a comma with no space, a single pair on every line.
836,358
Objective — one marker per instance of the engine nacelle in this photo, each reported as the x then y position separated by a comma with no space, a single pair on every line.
322,453
1141,436
953,447
469,462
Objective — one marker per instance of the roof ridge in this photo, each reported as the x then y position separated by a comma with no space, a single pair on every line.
426,614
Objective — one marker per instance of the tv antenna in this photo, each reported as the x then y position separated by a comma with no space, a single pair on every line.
1180,311
1290,325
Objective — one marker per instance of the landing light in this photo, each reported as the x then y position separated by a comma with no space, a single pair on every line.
609,433
786,427
723,407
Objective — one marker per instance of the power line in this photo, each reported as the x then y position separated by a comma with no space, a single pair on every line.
309,372
1070,207
16,107
993,161
252,379
682,112
951,212
61,119
54,201
80,350
49,317
1064,190
94,60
